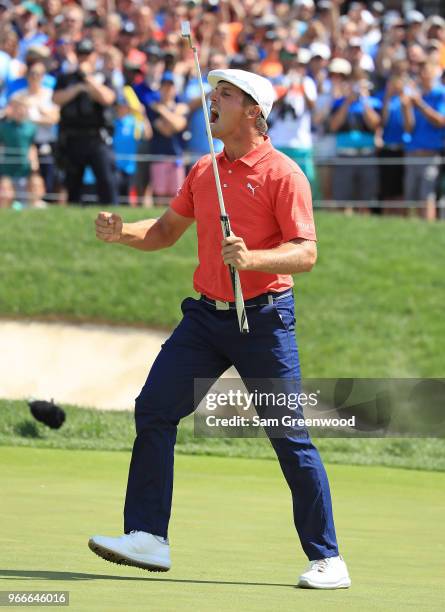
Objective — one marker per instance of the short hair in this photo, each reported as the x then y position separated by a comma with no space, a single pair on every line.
260,123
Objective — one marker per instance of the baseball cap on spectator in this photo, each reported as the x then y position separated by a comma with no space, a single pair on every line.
32,7
413,16
259,88
304,56
319,49
37,52
238,61
378,7
324,5
436,21
355,41
84,47
128,28
93,21
133,66
339,65
266,21
153,52
136,56
305,3
392,19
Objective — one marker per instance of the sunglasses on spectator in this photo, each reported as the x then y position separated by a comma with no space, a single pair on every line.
36,72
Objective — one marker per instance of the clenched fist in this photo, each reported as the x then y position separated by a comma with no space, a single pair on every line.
235,253
108,227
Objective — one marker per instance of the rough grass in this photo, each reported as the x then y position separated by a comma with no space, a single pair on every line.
114,431
372,306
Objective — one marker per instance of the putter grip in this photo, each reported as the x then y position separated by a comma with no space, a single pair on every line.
236,284
225,222
225,225
226,232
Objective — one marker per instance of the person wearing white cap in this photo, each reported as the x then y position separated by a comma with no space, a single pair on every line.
291,120
333,85
355,118
358,58
269,203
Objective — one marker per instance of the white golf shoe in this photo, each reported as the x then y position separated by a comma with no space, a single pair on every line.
137,548
330,573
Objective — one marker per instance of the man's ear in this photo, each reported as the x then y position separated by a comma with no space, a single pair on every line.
253,111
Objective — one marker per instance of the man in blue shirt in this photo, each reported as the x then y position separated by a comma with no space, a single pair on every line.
198,142
28,22
148,93
128,132
355,118
425,120
395,102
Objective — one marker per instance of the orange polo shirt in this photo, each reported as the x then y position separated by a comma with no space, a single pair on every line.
268,200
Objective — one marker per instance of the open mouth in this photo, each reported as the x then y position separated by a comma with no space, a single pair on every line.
214,115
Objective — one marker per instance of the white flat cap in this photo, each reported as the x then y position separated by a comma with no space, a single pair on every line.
339,65
413,16
258,87
304,56
319,49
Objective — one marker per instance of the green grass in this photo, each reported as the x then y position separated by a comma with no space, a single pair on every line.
233,543
372,306
113,431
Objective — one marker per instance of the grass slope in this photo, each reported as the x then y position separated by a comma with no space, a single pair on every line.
233,543
98,430
371,307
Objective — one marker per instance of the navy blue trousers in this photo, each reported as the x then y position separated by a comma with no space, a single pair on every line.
205,343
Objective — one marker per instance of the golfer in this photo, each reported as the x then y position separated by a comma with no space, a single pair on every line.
268,200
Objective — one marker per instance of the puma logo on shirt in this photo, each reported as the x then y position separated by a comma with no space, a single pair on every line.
251,188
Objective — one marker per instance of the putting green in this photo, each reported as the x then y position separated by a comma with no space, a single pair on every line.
233,544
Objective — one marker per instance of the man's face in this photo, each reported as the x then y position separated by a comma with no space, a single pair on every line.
427,76
73,20
167,91
228,110
6,190
28,21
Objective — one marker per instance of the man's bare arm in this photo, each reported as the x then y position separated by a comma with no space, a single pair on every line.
292,257
147,235
435,117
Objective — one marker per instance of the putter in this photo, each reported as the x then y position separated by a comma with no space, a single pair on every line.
225,222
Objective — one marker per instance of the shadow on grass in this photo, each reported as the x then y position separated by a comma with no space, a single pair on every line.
27,429
48,575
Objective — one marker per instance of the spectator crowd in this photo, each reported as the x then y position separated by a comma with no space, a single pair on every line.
99,99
